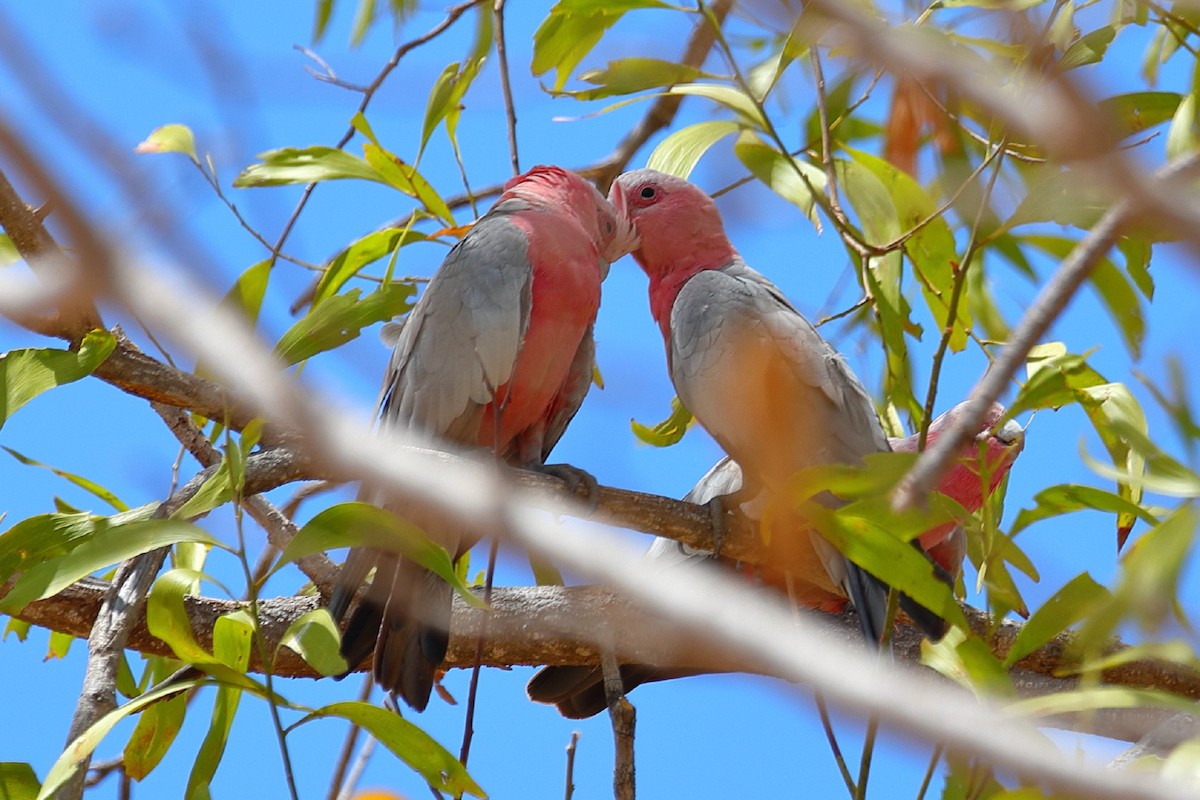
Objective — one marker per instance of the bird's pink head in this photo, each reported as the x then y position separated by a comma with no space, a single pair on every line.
678,225
990,453
562,190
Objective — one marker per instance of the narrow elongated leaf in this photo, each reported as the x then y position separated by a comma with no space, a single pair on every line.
362,524
1069,605
1089,49
24,374
793,179
88,486
1137,111
305,165
73,756
572,29
18,781
667,432
153,736
931,249
635,74
881,225
246,295
679,153
728,96
400,175
1067,498
340,318
109,545
370,248
232,635
409,743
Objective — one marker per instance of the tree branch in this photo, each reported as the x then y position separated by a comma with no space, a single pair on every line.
559,626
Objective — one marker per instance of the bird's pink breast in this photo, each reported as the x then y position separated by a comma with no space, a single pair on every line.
565,299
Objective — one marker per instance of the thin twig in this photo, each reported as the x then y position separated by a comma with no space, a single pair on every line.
960,281
571,746
624,723
338,786
834,747
510,109
928,779
469,722
368,93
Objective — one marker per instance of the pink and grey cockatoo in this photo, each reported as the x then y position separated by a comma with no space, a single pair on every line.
753,371
578,692
497,354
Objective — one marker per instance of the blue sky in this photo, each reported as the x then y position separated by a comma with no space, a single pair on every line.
229,71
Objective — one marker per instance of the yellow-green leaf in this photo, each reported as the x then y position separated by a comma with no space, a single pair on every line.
173,138
24,374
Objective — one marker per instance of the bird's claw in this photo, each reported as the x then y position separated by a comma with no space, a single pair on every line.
575,478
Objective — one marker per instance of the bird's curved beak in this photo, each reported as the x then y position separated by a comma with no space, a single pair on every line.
626,239
1011,434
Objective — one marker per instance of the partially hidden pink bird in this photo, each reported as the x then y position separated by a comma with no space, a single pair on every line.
498,354
578,692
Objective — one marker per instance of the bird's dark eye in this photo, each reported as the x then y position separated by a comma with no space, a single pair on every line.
609,226
648,192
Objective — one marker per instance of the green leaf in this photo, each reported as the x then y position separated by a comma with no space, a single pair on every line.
367,250
167,618
883,275
1061,196
1099,697
1089,49
967,661
8,251
232,636
1070,604
173,138
732,98
636,74
1181,136
18,781
572,29
1137,111
246,295
363,17
108,545
305,165
321,19
667,432
1066,498
24,374
404,177
314,637
679,153
340,318
407,742
362,524
91,487
782,173
153,736
931,249
77,751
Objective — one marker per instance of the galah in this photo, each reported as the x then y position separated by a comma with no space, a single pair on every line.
753,371
497,354
578,692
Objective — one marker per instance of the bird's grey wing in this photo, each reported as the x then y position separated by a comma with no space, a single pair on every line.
461,340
